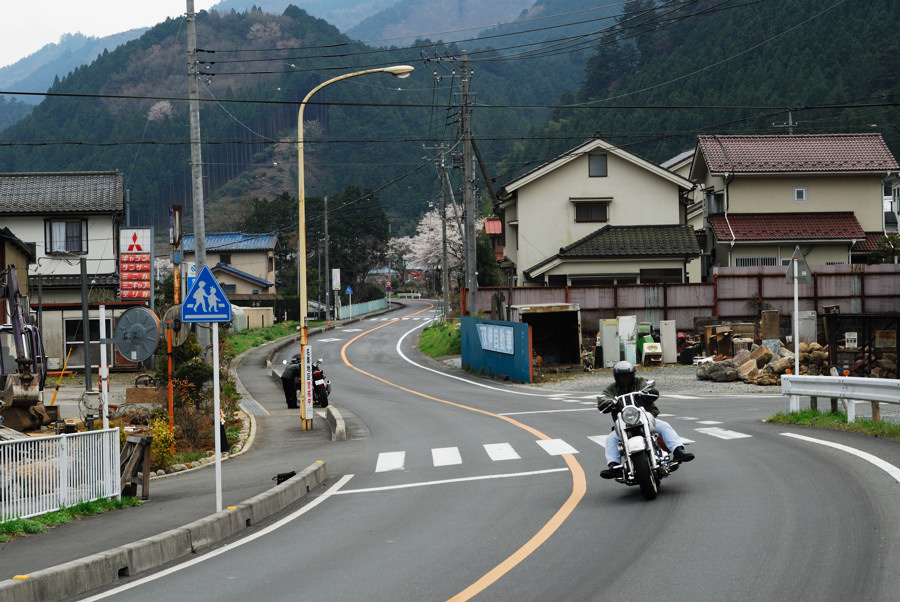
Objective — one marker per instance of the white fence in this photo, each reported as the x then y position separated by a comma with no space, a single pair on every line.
43,474
358,309
849,388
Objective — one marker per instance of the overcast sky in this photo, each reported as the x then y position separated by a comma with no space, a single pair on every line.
26,27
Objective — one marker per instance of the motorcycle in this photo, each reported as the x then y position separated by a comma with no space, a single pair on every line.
645,459
321,385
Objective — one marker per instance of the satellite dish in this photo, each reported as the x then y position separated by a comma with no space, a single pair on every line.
180,330
136,334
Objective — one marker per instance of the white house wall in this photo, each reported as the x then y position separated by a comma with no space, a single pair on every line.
547,217
101,253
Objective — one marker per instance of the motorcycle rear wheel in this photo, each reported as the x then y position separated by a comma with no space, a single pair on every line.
643,474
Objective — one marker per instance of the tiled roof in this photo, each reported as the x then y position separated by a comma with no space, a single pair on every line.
232,241
838,225
869,244
635,241
800,153
622,242
75,192
73,281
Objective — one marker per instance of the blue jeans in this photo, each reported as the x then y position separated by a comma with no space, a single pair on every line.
665,430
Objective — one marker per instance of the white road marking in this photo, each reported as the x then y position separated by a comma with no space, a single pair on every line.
556,447
334,490
501,451
460,480
680,396
388,461
547,412
599,439
885,466
722,433
446,456
687,418
328,340
709,422
351,329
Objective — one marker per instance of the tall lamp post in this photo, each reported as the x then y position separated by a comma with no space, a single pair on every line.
400,71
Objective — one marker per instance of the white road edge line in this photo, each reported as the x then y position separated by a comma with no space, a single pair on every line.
448,481
885,466
333,490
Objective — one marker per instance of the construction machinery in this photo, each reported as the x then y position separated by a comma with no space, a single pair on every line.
23,363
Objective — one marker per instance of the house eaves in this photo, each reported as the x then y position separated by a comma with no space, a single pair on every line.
227,269
588,147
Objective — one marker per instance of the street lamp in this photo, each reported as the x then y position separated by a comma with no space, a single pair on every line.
400,71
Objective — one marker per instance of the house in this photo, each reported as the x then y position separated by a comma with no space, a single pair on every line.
597,214
73,219
764,195
244,266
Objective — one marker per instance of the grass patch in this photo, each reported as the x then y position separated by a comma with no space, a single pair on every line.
39,524
838,421
440,340
188,457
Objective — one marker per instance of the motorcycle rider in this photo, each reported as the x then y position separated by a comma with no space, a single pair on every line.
289,381
625,380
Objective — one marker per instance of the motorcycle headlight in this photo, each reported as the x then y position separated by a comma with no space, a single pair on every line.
631,415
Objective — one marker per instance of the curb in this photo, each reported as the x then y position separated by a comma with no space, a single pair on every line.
80,576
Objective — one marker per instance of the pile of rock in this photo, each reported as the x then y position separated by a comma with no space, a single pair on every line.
763,366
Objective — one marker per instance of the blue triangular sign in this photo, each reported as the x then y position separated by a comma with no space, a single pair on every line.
205,301
349,291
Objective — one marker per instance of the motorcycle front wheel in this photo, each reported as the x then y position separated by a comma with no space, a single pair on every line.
643,474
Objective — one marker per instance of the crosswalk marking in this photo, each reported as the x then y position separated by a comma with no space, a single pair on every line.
446,456
722,433
709,422
599,440
498,452
556,447
389,461
501,451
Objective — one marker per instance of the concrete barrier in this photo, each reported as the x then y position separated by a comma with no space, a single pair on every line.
336,423
78,577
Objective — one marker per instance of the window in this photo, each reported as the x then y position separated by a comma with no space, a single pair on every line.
597,166
591,210
715,202
750,262
65,236
800,195
225,258
74,340
661,276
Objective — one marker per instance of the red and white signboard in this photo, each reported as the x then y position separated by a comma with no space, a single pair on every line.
135,263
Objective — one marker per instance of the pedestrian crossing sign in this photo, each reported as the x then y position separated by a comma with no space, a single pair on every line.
205,301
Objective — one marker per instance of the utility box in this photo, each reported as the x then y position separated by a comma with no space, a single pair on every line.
555,330
610,342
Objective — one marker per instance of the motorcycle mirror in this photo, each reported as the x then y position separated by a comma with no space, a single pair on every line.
319,361
284,362
650,383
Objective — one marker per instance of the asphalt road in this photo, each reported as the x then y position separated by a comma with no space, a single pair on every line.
454,487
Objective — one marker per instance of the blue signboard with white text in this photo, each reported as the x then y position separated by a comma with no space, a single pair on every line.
205,301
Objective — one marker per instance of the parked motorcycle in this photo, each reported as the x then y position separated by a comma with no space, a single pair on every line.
292,374
645,459
321,385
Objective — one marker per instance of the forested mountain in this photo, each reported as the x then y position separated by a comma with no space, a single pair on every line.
371,132
671,70
456,19
343,14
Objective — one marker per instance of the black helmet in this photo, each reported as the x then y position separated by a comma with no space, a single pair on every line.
623,373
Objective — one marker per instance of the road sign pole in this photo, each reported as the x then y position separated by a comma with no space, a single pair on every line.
796,316
217,416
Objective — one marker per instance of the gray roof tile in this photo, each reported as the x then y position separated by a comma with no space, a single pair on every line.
61,192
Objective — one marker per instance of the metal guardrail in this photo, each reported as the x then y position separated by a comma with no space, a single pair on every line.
43,474
849,388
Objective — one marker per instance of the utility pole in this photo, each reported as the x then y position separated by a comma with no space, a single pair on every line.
196,161
468,188
445,276
789,125
327,271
